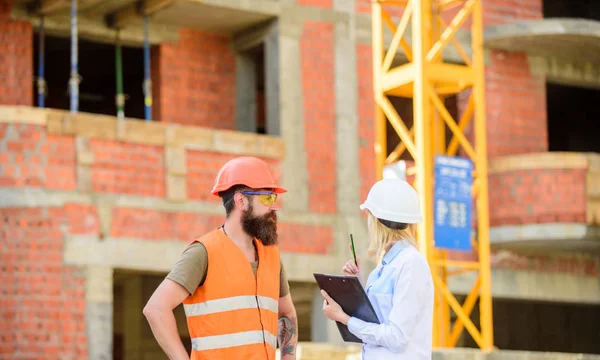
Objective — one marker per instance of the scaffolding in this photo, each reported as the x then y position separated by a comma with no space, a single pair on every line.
427,79
141,9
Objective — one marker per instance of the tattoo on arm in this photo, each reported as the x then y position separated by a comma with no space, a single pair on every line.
287,335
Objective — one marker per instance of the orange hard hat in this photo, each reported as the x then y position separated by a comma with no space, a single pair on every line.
245,170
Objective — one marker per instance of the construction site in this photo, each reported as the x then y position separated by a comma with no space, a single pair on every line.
116,115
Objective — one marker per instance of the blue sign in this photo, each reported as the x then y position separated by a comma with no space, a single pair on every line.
453,202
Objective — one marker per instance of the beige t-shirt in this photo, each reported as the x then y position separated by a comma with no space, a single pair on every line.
191,268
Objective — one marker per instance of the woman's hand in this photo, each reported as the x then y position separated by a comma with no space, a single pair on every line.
350,268
333,311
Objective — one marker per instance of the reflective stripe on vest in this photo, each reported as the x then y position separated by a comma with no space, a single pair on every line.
229,304
230,340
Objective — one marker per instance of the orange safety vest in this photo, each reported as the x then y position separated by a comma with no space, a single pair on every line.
233,315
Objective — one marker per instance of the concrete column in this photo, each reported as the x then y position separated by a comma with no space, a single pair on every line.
294,167
272,88
347,134
99,312
245,117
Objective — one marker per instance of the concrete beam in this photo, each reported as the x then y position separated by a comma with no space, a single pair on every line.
563,37
570,72
546,238
534,285
161,255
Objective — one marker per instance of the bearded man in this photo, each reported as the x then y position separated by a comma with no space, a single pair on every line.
231,280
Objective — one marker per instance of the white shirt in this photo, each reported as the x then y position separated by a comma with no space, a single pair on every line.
401,292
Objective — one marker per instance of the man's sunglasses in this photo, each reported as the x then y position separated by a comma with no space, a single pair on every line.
267,198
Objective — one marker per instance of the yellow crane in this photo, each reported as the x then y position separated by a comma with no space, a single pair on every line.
427,79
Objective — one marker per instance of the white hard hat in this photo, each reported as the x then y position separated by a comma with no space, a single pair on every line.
393,200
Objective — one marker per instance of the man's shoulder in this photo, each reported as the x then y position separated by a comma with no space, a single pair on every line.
208,239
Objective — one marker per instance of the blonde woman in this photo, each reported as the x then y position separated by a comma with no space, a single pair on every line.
400,287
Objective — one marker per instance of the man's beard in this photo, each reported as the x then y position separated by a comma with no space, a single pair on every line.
264,227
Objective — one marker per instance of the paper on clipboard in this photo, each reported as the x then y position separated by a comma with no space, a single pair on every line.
352,298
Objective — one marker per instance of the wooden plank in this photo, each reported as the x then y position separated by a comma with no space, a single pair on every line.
51,6
94,28
190,137
104,127
546,160
54,123
91,126
133,13
22,115
247,143
150,133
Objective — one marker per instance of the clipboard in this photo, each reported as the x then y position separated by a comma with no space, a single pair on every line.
348,292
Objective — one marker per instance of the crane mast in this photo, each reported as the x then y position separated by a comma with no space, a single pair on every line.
428,79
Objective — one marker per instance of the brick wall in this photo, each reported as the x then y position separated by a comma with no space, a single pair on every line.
30,157
317,50
127,168
194,80
503,11
185,226
160,225
516,106
42,301
16,59
537,196
366,114
515,99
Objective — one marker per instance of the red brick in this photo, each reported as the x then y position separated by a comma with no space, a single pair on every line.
194,80
317,44
127,168
78,219
41,299
326,4
35,159
503,11
516,106
161,225
307,239
61,170
537,196
574,265
16,61
366,114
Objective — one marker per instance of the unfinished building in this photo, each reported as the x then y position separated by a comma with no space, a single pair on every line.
113,126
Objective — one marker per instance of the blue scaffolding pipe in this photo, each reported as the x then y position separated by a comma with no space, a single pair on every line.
74,80
41,82
147,80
